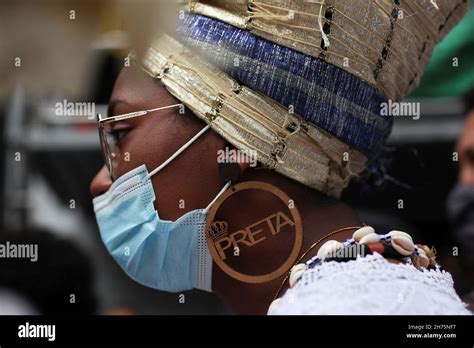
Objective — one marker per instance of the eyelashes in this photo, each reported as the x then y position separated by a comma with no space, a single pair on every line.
119,133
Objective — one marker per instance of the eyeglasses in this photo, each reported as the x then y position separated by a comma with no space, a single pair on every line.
109,139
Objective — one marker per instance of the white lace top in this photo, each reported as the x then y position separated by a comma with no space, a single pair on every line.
371,285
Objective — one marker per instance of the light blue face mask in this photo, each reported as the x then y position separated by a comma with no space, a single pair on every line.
166,255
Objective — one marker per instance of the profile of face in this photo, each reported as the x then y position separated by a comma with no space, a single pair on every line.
188,183
191,180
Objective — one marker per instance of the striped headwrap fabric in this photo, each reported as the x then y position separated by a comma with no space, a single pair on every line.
386,43
300,82
321,93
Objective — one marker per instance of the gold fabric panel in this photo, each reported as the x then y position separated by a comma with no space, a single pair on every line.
252,121
386,43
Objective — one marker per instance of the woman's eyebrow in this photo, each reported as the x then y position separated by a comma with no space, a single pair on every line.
111,108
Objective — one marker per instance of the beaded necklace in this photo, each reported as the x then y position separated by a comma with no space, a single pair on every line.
395,244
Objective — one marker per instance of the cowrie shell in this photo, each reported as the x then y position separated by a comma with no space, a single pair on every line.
403,245
362,232
400,233
329,249
370,238
421,261
298,267
273,305
296,273
421,251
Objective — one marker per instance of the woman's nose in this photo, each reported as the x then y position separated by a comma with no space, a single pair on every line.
101,182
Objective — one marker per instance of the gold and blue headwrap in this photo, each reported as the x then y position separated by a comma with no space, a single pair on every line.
300,82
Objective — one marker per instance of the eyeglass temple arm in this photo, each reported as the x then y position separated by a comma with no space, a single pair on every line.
133,114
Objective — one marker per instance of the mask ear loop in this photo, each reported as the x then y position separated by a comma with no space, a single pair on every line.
221,192
177,153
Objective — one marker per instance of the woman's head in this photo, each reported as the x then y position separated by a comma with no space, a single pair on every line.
188,182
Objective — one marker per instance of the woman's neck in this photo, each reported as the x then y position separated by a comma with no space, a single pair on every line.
320,215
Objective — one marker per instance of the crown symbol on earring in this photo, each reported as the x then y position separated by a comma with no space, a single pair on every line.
218,230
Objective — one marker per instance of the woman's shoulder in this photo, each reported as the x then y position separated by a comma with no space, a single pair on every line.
371,285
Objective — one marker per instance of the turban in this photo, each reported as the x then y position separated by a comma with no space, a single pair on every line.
300,82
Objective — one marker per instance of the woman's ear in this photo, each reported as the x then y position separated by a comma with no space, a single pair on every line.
230,169
244,166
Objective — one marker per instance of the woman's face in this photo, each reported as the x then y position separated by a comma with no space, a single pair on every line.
192,179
